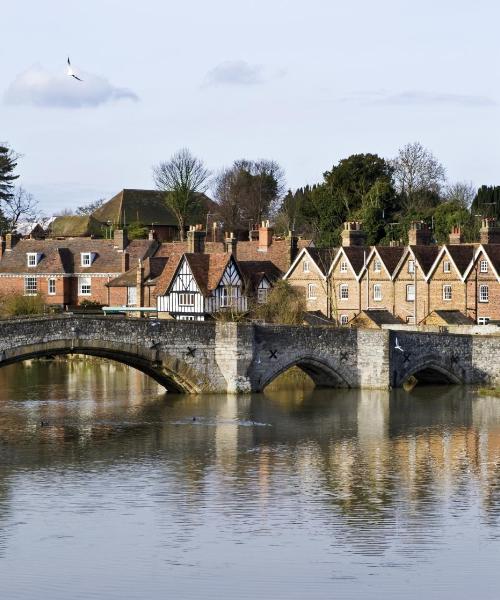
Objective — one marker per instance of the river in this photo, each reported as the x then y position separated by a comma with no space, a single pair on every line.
111,489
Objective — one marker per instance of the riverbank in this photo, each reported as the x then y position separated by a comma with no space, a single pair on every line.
490,392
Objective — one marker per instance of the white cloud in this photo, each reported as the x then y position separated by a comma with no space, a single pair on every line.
239,72
38,87
420,98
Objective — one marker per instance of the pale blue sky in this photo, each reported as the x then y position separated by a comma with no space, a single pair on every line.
304,83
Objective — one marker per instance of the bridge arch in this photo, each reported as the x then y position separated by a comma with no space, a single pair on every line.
430,371
168,372
323,374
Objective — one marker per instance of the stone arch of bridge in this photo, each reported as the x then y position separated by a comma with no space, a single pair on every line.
323,374
173,374
430,370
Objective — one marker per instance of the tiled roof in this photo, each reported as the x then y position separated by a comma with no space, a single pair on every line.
323,257
462,255
164,280
153,267
390,256
357,256
63,256
253,272
278,252
425,255
493,252
379,316
452,317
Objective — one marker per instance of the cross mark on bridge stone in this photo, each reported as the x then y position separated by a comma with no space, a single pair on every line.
406,357
190,351
344,356
454,359
273,354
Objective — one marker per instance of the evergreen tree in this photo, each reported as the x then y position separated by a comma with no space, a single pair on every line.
8,163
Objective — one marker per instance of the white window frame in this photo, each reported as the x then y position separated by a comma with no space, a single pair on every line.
51,286
483,320
86,259
186,299
343,266
131,295
85,286
446,266
377,265
229,296
185,318
344,291
410,292
483,266
447,292
311,291
484,293
344,319
32,259
411,266
262,294
30,290
305,266
377,292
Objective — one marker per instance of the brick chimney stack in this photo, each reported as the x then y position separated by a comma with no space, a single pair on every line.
152,235
265,236
489,232
231,244
419,234
196,239
139,282
353,234
125,262
120,238
456,236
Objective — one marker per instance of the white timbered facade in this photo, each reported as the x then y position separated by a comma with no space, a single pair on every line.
189,297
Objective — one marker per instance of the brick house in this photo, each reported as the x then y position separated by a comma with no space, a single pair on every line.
377,278
67,272
482,280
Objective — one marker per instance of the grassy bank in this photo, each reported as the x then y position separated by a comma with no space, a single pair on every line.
490,392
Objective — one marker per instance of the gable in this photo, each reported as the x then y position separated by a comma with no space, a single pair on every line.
231,275
183,280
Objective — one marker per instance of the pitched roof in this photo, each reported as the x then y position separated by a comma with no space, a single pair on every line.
165,278
493,252
378,316
451,317
462,255
144,206
153,267
74,226
323,257
390,256
425,255
278,252
357,256
254,271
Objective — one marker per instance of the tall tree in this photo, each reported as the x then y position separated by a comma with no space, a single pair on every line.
418,176
8,164
487,201
461,192
21,206
183,178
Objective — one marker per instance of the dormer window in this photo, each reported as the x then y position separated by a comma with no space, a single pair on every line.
33,258
86,259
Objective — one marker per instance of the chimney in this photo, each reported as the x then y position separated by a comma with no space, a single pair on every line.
419,234
265,236
2,246
230,244
353,234
394,243
456,235
125,262
152,235
139,282
293,241
489,232
196,239
120,239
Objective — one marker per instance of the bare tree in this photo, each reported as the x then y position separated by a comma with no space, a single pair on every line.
229,208
21,206
88,209
461,192
417,172
183,178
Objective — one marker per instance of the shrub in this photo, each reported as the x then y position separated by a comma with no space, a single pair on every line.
90,304
285,304
16,305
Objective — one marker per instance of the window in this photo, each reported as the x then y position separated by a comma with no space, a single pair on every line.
32,258
377,266
185,318
410,292
446,292
86,258
186,299
344,319
377,291
483,320
52,286
483,266
484,293
344,291
411,266
131,295
446,266
311,291
84,286
228,296
305,266
343,266
30,286
262,295
410,320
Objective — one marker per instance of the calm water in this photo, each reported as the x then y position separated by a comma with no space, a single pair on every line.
331,494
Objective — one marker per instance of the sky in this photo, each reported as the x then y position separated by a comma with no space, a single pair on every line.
303,83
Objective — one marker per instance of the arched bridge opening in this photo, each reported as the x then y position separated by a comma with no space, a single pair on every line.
430,373
315,373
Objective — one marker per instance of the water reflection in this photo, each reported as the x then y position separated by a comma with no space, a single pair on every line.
302,487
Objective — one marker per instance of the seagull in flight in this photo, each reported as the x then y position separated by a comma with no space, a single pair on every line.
70,71
397,346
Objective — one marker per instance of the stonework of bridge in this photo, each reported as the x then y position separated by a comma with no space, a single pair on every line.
214,357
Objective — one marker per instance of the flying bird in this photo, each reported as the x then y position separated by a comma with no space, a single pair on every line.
397,346
70,71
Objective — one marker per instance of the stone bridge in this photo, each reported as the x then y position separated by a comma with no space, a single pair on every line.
218,357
